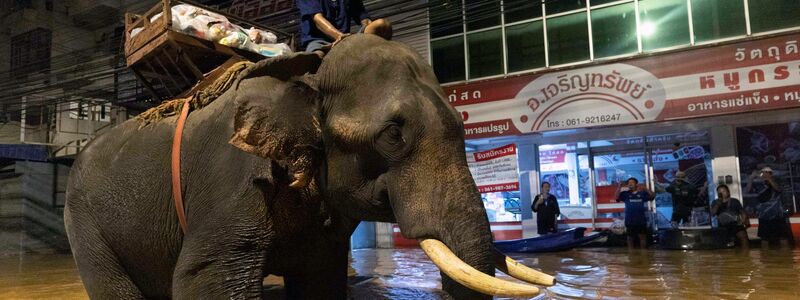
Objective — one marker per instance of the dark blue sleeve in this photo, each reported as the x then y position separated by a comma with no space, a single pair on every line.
309,7
357,11
622,197
555,202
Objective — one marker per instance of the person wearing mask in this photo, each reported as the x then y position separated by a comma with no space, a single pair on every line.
730,215
545,206
635,199
683,197
771,223
324,23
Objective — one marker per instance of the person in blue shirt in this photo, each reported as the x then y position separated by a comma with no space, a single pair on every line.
325,22
635,199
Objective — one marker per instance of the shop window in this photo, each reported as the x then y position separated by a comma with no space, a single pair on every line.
78,111
614,30
448,59
485,53
766,15
30,52
482,14
568,39
554,7
518,10
716,19
663,23
601,2
445,19
567,173
525,46
502,206
775,146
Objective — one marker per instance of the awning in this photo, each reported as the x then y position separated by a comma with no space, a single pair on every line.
24,152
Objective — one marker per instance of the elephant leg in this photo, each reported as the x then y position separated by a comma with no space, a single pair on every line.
99,268
327,281
218,276
224,265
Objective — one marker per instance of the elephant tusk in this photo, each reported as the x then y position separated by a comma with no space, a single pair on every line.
519,271
468,276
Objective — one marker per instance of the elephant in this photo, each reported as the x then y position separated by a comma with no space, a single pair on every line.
276,173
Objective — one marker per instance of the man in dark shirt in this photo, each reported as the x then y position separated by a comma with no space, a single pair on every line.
635,200
326,22
683,197
546,208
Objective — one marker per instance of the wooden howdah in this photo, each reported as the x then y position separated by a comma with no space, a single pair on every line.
172,64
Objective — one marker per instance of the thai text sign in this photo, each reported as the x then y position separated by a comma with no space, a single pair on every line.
741,77
495,170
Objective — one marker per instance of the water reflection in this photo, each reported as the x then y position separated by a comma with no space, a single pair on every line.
601,273
621,273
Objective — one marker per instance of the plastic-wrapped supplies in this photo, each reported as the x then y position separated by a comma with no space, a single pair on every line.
214,27
259,36
271,49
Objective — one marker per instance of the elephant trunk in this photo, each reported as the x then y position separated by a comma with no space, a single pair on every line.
450,221
466,232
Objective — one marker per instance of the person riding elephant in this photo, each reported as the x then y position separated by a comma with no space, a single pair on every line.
275,175
324,23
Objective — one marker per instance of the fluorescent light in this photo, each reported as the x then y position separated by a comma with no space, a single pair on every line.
648,29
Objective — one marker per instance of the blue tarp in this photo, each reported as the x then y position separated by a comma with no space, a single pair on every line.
24,152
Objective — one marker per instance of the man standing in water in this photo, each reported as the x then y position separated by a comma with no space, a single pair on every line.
635,200
683,197
545,206
771,221
730,215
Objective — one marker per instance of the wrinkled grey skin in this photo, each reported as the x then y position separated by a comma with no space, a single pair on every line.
372,126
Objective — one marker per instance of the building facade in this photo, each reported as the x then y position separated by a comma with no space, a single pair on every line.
595,92
62,82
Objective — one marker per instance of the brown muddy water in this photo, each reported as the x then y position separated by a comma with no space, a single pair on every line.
596,273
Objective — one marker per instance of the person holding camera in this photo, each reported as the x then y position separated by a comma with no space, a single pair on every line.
771,221
635,199
546,208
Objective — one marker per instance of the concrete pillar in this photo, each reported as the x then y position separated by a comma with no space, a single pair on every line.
724,164
528,164
384,235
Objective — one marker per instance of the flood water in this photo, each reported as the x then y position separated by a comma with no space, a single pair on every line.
595,273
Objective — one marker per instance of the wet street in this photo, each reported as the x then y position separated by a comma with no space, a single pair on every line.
598,273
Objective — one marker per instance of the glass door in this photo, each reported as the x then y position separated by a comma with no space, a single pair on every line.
681,177
612,169
566,168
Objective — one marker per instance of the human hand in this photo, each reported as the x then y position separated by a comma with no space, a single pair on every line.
339,39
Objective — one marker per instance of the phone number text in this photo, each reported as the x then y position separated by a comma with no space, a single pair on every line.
585,121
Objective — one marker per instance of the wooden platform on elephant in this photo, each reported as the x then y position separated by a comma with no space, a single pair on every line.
170,64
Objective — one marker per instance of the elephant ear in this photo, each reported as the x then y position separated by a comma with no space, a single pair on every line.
277,114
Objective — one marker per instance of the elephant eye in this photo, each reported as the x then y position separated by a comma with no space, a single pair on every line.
391,143
393,135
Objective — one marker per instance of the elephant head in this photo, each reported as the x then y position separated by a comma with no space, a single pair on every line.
374,126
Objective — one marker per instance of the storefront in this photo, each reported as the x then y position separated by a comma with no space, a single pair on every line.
717,113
